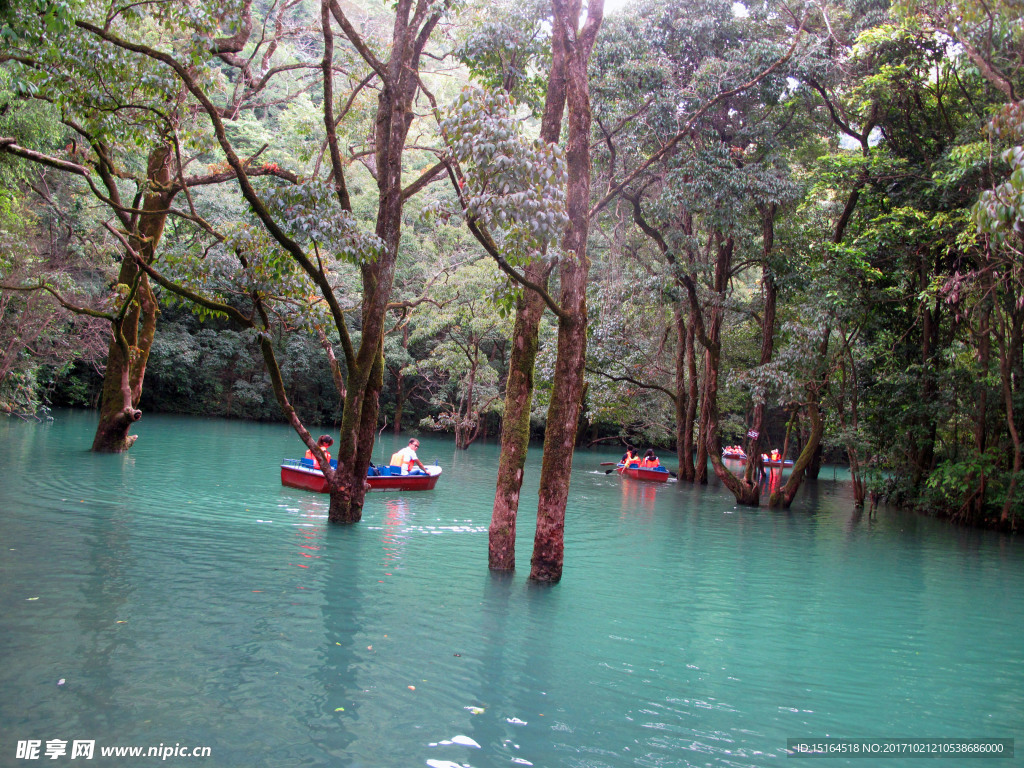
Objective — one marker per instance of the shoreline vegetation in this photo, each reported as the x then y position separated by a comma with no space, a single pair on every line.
673,225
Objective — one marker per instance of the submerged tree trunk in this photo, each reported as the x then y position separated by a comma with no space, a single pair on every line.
400,82
133,336
771,292
684,427
574,267
747,492
515,426
785,495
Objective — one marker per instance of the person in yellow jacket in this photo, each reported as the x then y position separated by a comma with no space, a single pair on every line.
407,458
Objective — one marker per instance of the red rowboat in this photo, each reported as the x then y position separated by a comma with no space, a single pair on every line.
727,454
299,473
775,462
655,475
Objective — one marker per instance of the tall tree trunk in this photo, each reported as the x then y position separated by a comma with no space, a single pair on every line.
784,496
747,492
574,266
692,396
400,392
770,291
927,426
1006,365
132,340
814,467
399,401
515,426
684,428
981,393
366,376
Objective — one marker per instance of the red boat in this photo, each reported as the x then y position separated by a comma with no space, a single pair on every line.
655,475
770,462
734,454
299,473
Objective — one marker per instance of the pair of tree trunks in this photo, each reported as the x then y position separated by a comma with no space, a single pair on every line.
568,90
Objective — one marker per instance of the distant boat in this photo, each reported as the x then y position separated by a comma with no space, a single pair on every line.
734,454
651,474
300,473
770,462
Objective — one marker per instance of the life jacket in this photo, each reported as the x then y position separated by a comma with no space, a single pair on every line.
327,455
631,459
396,459
650,463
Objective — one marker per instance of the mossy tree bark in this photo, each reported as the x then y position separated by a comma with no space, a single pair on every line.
567,392
132,335
414,24
515,426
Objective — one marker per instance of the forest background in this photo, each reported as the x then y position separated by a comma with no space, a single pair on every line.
681,224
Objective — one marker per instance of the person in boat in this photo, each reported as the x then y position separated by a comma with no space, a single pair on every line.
650,461
776,456
630,457
324,442
407,458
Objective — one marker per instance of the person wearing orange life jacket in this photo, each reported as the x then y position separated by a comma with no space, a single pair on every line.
407,458
630,458
324,442
650,461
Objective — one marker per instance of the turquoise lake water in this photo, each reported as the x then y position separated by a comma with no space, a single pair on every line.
179,595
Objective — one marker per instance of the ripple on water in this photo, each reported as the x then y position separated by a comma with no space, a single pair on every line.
183,594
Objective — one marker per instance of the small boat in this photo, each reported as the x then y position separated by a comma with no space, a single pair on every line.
734,454
770,462
300,473
654,475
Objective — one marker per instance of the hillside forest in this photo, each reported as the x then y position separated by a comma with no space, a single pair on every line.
792,225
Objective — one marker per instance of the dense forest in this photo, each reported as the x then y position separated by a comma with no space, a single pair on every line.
681,224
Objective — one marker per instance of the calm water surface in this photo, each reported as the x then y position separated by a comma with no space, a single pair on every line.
185,597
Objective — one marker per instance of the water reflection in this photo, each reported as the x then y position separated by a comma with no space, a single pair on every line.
686,628
396,514
638,495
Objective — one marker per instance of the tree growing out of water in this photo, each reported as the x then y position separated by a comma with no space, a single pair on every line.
129,138
529,214
299,230
498,169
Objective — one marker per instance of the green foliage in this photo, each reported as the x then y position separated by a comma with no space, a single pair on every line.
464,344
508,50
972,489
512,183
